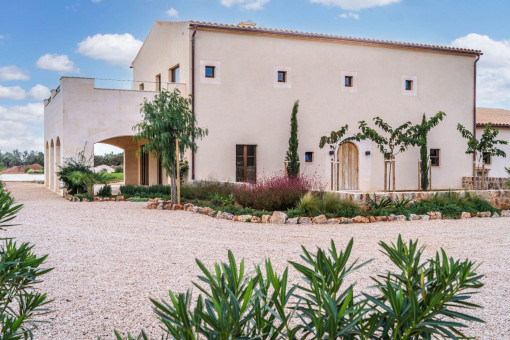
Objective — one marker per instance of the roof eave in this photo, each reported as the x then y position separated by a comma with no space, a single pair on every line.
337,38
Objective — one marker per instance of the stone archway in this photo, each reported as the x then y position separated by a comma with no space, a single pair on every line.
51,174
57,164
47,165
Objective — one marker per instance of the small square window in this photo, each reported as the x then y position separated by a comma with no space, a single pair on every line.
141,87
348,81
282,76
487,158
409,85
309,157
434,157
209,71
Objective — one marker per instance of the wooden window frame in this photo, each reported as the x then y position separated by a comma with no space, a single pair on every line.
409,82
311,157
158,82
245,163
284,73
438,157
144,167
213,68
349,81
141,87
172,74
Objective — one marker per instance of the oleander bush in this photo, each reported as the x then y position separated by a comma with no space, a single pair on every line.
21,303
417,299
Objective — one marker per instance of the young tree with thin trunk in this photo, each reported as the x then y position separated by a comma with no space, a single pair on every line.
168,118
486,146
396,141
292,156
420,137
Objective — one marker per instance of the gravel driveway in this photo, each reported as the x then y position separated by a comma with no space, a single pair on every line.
110,257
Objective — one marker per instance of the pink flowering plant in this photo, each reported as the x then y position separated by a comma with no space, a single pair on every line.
277,192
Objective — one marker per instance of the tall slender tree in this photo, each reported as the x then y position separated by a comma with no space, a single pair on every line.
168,118
486,146
420,138
292,156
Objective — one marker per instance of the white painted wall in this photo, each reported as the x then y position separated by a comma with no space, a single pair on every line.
246,108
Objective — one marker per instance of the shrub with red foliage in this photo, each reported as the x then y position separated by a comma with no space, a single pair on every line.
278,192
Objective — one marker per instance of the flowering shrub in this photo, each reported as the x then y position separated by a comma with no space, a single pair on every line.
278,192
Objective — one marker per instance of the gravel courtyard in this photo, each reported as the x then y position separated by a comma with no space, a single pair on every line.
110,257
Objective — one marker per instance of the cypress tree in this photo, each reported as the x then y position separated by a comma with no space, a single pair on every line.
292,156
424,157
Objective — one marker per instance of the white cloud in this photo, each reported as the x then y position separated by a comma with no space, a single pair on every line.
355,5
349,15
12,73
493,80
115,49
172,13
39,92
2,36
12,92
32,112
246,4
56,62
21,127
96,1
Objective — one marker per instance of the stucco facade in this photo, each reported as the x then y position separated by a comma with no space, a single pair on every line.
245,104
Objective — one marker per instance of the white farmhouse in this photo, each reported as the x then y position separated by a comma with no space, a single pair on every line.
244,81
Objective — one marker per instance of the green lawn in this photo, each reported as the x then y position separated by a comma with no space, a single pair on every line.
114,177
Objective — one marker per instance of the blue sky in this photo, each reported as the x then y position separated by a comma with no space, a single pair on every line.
43,40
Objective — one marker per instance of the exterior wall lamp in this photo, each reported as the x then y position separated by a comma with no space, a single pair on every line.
367,153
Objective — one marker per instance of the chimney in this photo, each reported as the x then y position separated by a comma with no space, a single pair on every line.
247,24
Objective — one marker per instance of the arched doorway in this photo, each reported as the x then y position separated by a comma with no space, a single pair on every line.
347,167
52,166
47,165
57,164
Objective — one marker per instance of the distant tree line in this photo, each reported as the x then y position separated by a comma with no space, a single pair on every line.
111,159
17,158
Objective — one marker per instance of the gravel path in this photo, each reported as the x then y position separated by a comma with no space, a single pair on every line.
110,257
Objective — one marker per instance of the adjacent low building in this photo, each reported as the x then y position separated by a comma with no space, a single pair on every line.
244,81
499,119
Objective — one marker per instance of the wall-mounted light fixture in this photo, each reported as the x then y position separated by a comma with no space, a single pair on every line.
332,153
367,153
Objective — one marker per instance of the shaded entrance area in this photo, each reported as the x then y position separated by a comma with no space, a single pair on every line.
139,168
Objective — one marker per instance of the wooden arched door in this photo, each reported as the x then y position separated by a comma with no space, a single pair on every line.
347,167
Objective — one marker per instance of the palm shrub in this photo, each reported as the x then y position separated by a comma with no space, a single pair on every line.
418,300
79,163
20,270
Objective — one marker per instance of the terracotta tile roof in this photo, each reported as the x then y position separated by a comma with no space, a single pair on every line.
498,117
241,28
